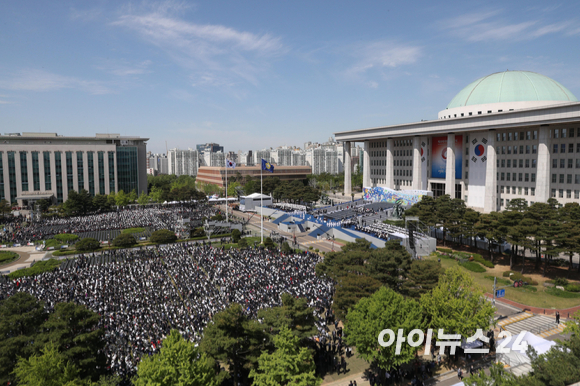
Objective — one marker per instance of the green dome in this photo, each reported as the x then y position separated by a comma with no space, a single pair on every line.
512,86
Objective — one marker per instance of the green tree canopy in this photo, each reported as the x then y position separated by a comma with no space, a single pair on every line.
294,314
289,365
124,240
87,244
178,363
163,236
457,304
422,277
78,203
385,309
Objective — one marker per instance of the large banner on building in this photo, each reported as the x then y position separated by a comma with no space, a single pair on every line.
424,163
409,197
439,156
477,169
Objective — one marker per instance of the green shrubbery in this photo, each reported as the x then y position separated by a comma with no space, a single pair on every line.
87,244
133,230
573,287
445,250
124,240
8,256
472,266
286,247
236,235
561,281
37,268
66,237
486,263
519,276
243,243
562,294
163,236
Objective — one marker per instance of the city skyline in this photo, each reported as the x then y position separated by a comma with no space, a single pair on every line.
253,74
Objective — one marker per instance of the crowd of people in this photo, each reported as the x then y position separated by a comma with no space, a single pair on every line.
151,218
142,294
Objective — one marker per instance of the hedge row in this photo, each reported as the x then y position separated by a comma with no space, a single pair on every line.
37,268
519,276
472,266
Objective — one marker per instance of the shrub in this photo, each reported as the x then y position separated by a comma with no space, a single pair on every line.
445,250
573,288
133,230
217,217
52,243
87,244
310,247
236,235
316,250
8,256
519,276
472,266
163,236
286,248
243,243
561,294
37,268
486,263
561,282
198,232
66,237
124,240
268,243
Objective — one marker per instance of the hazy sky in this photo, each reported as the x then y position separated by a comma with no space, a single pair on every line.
251,74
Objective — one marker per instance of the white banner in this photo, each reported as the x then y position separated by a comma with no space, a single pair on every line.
477,165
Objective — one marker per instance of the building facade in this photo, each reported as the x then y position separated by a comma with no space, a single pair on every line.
508,135
182,162
47,166
217,175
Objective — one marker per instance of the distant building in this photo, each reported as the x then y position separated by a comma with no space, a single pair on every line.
217,175
47,166
183,162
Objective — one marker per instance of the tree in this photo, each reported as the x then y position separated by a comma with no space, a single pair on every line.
143,199
132,196
51,368
509,225
350,289
87,244
498,376
43,204
385,309
557,366
569,237
235,340
293,314
457,304
121,198
232,188
243,243
101,202
422,277
163,236
179,362
78,203
268,243
488,226
286,247
20,318
5,207
389,265
112,199
74,330
156,194
124,240
288,365
236,235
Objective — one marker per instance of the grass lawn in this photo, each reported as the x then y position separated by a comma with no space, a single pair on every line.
133,230
8,257
539,298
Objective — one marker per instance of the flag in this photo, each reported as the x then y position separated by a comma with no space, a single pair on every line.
230,164
267,166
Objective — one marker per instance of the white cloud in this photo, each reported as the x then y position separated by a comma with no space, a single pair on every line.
488,26
226,53
123,68
40,80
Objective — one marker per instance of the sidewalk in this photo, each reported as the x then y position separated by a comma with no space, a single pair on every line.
566,313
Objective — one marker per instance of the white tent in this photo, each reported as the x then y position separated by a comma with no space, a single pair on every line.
517,357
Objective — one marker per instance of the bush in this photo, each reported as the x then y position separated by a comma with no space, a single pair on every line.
561,282
52,243
311,247
445,250
573,288
286,247
163,236
236,235
472,266
268,243
519,276
124,240
37,268
217,217
8,256
87,244
561,294
486,263
198,232
243,243
316,250
133,230
66,237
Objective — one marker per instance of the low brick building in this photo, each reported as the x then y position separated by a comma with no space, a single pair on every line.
217,175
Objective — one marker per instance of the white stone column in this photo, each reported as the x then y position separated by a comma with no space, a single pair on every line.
347,169
543,177
106,159
96,172
86,169
490,200
29,171
115,164
18,174
390,177
366,165
416,185
450,167
6,176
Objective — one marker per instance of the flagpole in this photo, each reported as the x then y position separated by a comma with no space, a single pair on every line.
261,206
226,190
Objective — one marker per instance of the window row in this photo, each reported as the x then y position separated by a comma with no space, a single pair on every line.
564,133
502,163
519,189
562,163
559,178
515,136
562,148
521,177
568,193
527,149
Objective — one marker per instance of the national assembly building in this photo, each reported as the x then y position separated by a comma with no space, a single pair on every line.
36,166
508,135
